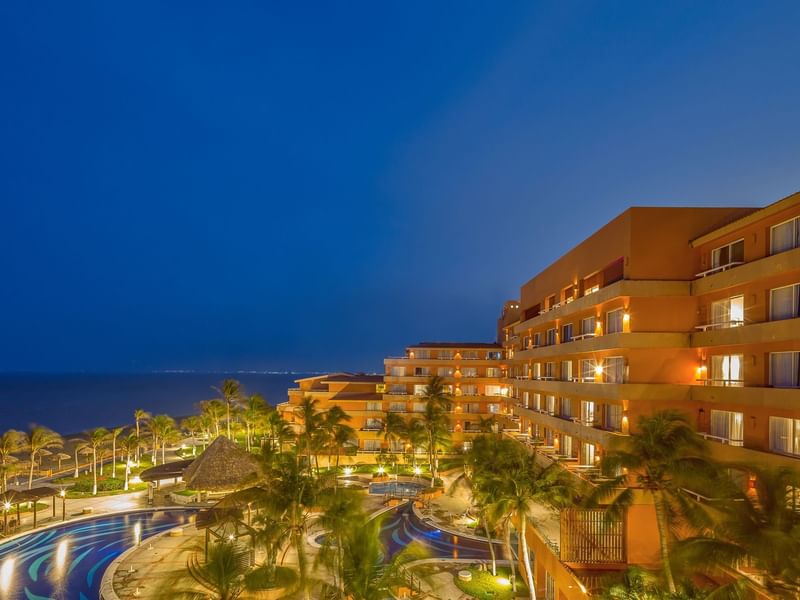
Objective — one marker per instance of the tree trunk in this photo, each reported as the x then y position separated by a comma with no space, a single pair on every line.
137,441
491,545
30,477
127,470
510,552
114,457
661,519
76,462
228,420
526,558
94,472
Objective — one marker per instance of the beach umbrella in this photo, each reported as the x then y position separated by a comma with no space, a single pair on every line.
61,456
42,453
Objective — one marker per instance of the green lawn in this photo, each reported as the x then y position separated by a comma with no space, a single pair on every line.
484,586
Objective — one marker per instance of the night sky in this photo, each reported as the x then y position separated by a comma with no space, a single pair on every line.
315,185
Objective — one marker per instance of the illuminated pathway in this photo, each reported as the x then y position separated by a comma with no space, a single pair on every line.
402,526
67,562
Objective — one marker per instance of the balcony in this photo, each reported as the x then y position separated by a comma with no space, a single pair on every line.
721,440
581,336
720,325
719,269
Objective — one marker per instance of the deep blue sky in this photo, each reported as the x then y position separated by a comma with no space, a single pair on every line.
313,186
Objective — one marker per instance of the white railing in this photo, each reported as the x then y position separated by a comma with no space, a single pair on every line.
719,268
720,325
583,336
720,439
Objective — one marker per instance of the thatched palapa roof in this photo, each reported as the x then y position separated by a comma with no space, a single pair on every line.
222,467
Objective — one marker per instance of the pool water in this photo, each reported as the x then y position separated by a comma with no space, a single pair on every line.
67,562
400,489
401,527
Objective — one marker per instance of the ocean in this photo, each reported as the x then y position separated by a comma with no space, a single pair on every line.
70,403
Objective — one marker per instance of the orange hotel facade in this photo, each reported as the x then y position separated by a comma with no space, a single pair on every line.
695,309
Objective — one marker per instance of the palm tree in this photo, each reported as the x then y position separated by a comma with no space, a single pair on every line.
760,526
231,392
223,573
97,437
254,411
395,428
162,428
37,439
128,444
193,425
520,491
278,431
213,410
436,422
140,416
311,419
78,445
10,442
340,509
113,434
664,457
335,433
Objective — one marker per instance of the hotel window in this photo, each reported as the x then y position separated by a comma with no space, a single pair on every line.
785,302
447,389
728,313
549,371
614,321
728,255
566,370
567,447
537,340
494,355
422,354
551,337
726,370
613,420
537,401
566,408
469,372
493,408
469,355
566,333
784,435
537,370
445,354
588,454
419,407
549,586
397,388
568,293
373,425
420,389
588,327
494,390
444,371
374,405
785,236
396,445
372,445
728,426
397,407
587,370
526,342
525,399
469,390
587,412
614,369
784,369
472,408
550,405
421,371
398,372
493,372
591,284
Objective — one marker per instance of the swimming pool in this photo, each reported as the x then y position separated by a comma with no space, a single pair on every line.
401,527
402,489
67,562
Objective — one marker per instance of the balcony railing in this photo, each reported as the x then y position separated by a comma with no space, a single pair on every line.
720,268
722,382
720,325
583,336
722,440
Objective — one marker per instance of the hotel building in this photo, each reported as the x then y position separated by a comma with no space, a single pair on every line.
694,309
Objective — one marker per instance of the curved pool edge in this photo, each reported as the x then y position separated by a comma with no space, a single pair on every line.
107,591
437,525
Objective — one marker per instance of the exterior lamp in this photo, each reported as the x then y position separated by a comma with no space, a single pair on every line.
503,581
7,505
598,370
417,471
380,470
348,471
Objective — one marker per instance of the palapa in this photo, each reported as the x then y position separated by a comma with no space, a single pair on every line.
222,467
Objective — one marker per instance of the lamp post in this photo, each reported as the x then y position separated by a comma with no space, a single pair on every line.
6,508
63,494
